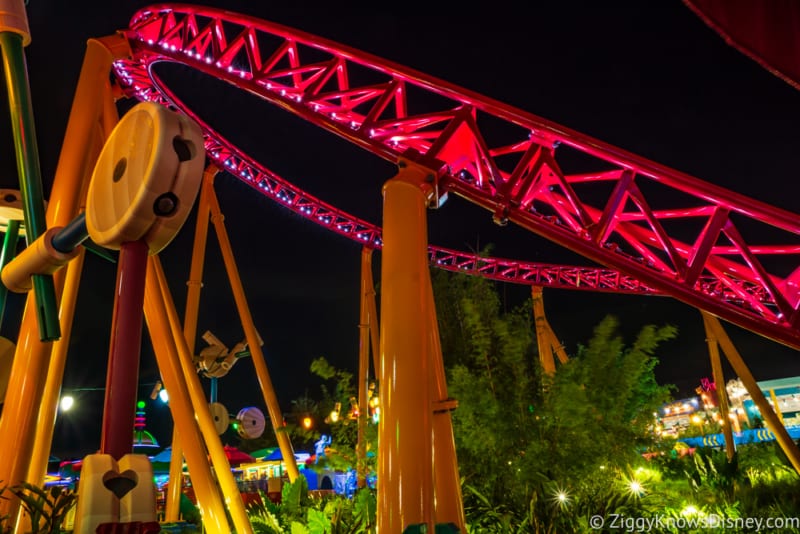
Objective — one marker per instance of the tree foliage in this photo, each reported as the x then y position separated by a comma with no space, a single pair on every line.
338,395
598,407
516,427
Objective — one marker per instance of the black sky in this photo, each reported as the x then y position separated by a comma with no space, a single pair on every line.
648,77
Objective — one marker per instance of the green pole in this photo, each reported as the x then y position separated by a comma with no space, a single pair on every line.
6,254
30,176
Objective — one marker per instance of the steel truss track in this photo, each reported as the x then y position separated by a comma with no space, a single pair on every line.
668,232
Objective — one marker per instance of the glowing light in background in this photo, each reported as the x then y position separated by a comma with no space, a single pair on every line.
67,402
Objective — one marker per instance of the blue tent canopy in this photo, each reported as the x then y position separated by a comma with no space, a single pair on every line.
163,456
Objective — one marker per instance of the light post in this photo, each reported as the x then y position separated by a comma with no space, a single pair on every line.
79,419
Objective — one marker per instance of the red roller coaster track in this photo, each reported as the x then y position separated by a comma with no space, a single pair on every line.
670,233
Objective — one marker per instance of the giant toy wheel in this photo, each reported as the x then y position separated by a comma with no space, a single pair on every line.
668,232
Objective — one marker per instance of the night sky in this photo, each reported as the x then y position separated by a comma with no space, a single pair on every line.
649,77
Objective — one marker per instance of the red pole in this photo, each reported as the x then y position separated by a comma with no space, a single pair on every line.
124,349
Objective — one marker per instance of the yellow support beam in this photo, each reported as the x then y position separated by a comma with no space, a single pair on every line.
43,441
546,339
772,421
364,325
405,441
202,413
449,502
775,405
192,310
181,405
250,333
722,396
32,360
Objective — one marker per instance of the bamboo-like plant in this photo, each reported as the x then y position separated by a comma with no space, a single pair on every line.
46,507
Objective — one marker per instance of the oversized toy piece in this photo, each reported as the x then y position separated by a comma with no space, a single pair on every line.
116,492
143,188
150,166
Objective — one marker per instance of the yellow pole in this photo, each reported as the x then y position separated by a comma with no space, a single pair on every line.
211,507
405,442
195,284
253,340
363,367
86,121
555,344
45,427
546,339
545,354
449,503
775,405
202,413
25,393
374,326
109,117
740,368
172,506
722,397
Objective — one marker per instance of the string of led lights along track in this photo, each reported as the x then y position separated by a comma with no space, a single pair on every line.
239,164
197,37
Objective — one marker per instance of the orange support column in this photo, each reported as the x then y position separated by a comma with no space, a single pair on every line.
195,284
546,340
449,501
545,354
47,414
181,407
25,393
363,365
71,283
253,339
405,460
202,413
775,405
374,327
740,368
722,396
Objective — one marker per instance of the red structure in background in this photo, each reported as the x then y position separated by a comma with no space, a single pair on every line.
673,233
766,32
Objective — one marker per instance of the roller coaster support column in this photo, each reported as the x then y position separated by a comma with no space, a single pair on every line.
174,371
374,331
722,395
775,405
545,337
783,438
405,443
37,471
216,451
251,335
195,284
447,481
82,144
108,118
366,324
14,34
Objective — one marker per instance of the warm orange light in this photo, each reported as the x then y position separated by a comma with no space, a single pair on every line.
307,422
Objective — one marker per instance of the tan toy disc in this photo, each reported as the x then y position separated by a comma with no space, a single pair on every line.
220,415
146,178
